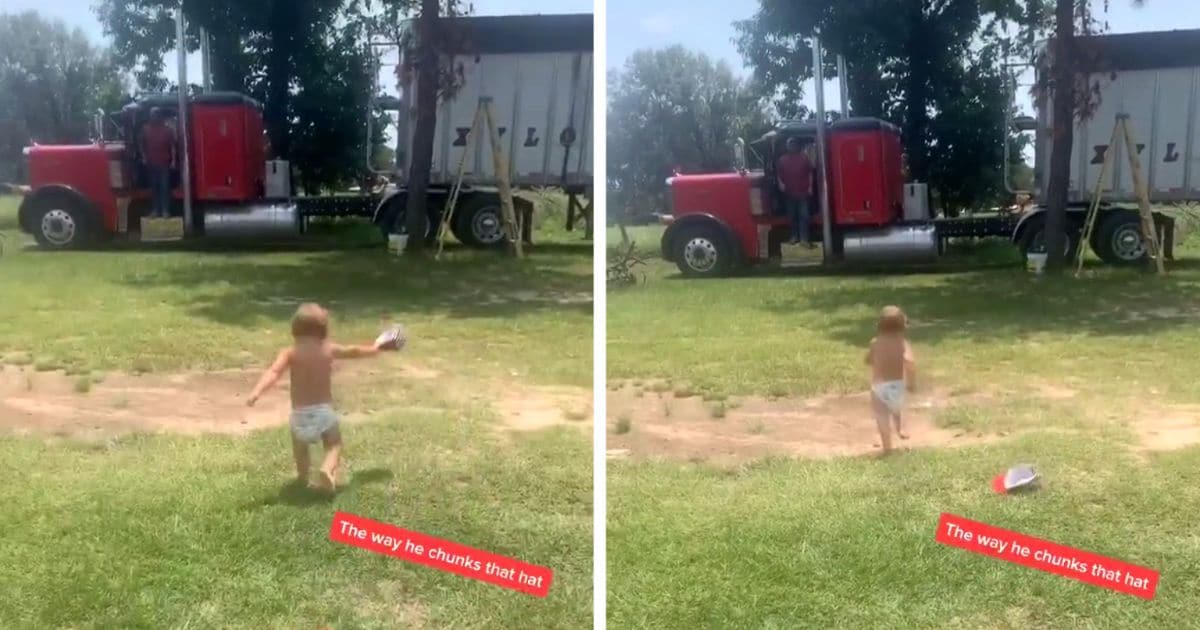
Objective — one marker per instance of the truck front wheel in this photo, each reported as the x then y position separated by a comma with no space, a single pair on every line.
1119,239
60,222
702,252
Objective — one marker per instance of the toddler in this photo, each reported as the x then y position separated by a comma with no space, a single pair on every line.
309,361
892,370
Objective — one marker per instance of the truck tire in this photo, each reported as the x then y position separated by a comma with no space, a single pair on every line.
1033,240
1119,239
702,251
393,219
60,222
478,221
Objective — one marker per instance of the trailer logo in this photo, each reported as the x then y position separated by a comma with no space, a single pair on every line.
531,139
1172,152
567,137
1101,149
463,132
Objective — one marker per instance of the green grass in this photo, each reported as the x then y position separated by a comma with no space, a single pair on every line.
173,307
849,543
166,531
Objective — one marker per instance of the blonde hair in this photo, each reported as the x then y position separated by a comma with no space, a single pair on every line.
892,320
310,320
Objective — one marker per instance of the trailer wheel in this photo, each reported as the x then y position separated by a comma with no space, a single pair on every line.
479,222
393,220
1033,241
1119,239
60,222
702,252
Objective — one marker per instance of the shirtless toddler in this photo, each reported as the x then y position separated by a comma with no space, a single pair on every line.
892,370
309,361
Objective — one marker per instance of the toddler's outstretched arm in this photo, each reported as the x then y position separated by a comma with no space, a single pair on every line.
362,351
271,376
910,367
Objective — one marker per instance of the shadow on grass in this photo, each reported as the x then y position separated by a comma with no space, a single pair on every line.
239,288
982,292
296,494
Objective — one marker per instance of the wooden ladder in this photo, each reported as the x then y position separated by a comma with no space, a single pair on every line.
508,214
1123,133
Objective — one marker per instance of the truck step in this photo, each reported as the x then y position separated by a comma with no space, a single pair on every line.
158,230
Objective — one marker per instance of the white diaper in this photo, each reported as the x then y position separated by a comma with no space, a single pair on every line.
891,394
310,423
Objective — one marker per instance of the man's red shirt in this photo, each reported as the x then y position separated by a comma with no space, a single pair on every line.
795,171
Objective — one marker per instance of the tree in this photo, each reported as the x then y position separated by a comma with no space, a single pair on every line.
934,67
673,108
427,62
52,81
1062,133
1071,98
304,59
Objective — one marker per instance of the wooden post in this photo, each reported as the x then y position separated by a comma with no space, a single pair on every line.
1089,223
501,172
1149,230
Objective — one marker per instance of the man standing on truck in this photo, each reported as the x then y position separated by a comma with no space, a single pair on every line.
794,172
158,154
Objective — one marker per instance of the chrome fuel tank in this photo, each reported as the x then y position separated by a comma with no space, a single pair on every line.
896,243
260,221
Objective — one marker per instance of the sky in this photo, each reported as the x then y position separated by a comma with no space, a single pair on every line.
707,27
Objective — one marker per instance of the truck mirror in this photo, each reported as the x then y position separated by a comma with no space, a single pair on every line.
739,154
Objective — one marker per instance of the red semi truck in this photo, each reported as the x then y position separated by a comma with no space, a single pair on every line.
226,187
721,221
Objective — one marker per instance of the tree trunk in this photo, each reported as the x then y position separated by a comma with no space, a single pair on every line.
421,159
225,53
1061,133
279,78
916,97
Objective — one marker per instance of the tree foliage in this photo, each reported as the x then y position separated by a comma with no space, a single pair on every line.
306,60
935,67
52,81
673,108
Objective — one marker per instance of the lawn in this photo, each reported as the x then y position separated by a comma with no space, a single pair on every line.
848,542
162,530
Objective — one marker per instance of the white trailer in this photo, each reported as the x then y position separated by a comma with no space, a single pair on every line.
1154,78
537,71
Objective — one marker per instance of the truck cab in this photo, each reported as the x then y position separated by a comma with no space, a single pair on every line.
83,193
722,220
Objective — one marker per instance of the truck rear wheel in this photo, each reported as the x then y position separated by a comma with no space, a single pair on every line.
393,219
478,221
1033,241
1119,239
60,222
702,252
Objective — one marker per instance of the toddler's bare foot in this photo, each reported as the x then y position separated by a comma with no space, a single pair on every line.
903,435
328,479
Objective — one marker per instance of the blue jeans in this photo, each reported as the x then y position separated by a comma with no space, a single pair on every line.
798,213
160,189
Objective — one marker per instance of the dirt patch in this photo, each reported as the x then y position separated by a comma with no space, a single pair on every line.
659,424
52,403
536,408
650,424
1169,428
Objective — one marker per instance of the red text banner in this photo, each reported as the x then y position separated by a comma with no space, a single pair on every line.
1044,555
441,554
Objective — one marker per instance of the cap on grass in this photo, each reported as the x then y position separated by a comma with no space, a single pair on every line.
1015,478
